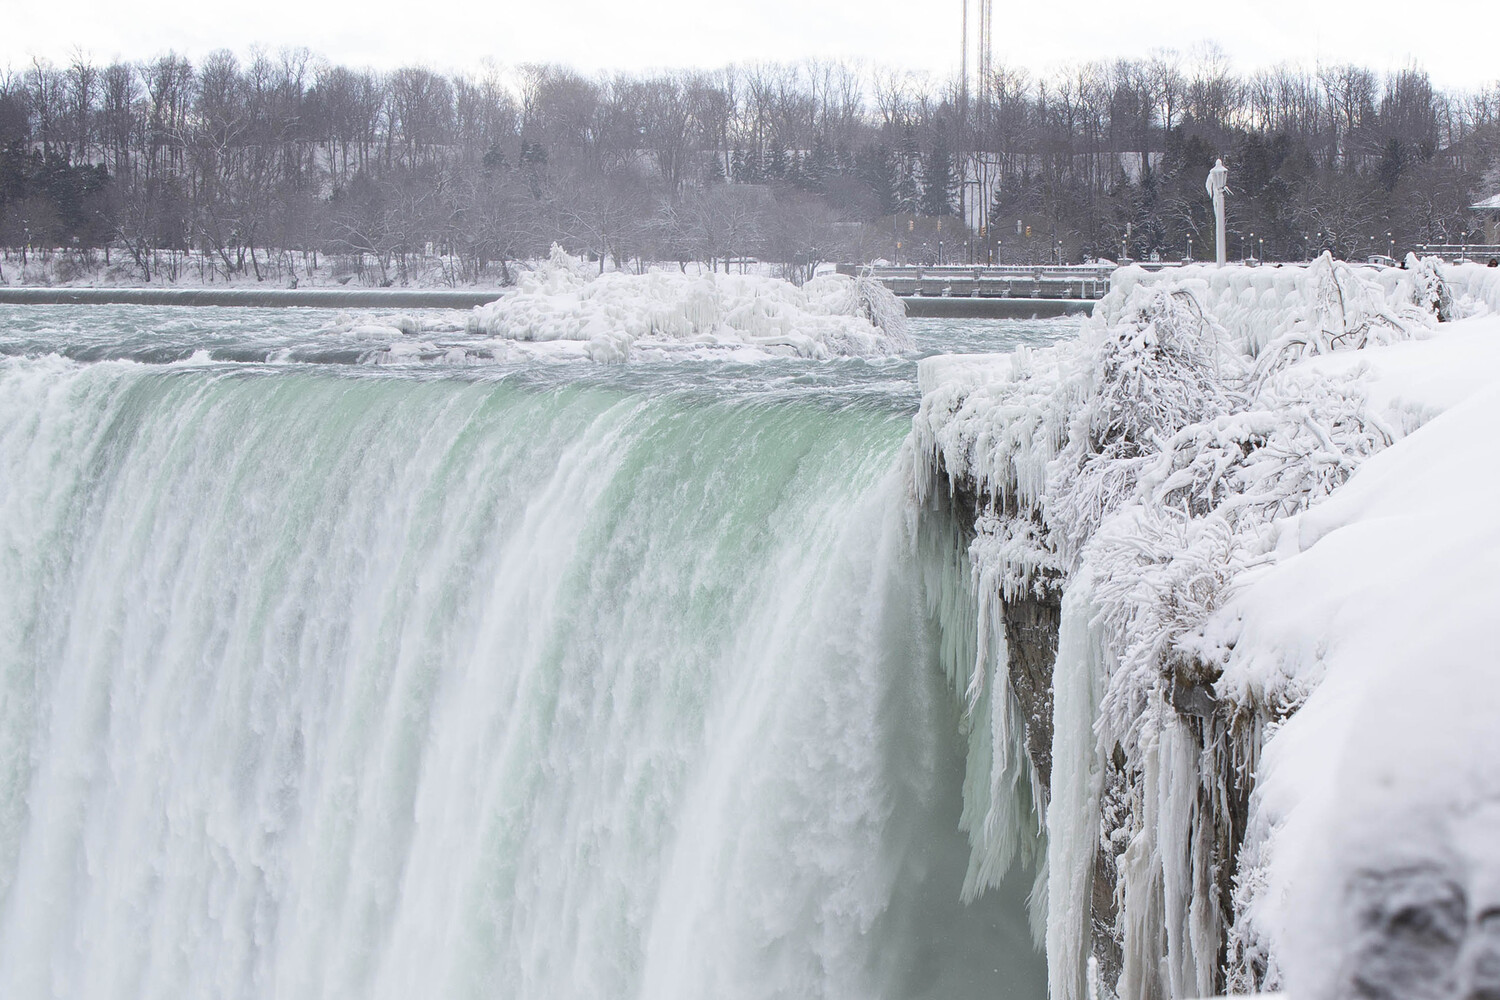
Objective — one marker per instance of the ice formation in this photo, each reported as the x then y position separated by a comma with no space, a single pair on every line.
1144,482
360,327
566,299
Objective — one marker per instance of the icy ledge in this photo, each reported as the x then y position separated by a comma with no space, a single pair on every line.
1222,578
616,315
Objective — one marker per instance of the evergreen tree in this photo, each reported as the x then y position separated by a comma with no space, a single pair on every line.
778,163
908,166
876,169
1392,162
815,167
939,183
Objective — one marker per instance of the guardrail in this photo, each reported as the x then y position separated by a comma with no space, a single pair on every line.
1451,251
1074,283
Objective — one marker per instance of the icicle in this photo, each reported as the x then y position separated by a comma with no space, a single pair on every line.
1077,772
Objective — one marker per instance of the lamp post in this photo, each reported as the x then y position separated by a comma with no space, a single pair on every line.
1217,184
1261,252
1190,248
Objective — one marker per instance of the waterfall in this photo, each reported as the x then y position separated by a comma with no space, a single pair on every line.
363,684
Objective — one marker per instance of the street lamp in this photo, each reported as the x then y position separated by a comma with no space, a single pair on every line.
1190,248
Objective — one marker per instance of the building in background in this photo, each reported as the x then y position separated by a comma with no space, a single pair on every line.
1488,212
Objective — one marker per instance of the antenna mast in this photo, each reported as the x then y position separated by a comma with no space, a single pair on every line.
986,25
963,66
973,130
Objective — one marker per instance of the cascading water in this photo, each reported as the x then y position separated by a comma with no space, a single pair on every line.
339,682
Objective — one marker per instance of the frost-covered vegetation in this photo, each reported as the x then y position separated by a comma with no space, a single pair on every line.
567,299
1137,481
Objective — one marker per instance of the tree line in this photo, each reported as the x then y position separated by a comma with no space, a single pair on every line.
242,162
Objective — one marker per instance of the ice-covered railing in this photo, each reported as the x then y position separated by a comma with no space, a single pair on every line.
1474,287
566,299
1132,477
1256,306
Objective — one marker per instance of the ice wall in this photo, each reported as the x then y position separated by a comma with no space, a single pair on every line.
1136,478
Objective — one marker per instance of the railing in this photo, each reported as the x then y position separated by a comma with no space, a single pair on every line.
1452,251
1089,282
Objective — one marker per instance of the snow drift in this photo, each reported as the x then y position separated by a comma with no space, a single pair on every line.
1140,485
565,299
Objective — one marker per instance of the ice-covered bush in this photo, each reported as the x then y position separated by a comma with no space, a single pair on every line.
1429,289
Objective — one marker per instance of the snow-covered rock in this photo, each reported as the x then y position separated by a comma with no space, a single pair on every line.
1203,486
1374,839
363,327
565,299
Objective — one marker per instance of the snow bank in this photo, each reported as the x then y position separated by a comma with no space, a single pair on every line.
1143,478
1372,845
565,299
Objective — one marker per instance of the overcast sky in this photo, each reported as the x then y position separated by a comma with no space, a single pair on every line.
1456,40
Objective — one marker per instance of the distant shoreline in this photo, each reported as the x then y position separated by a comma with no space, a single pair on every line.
315,298
921,307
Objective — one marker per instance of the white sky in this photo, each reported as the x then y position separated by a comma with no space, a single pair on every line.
1458,41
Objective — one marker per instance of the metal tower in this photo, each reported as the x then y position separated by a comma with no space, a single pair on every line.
979,44
974,125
